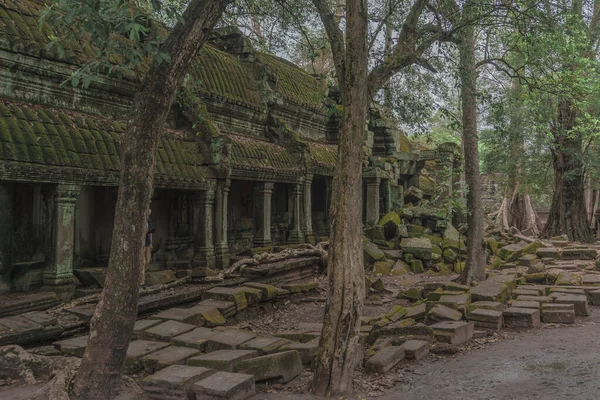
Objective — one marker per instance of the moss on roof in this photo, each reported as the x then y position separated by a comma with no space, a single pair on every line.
256,154
34,137
294,83
322,154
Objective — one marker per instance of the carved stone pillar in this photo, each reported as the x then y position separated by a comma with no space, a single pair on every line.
6,227
372,199
308,228
221,245
296,235
204,251
58,276
262,214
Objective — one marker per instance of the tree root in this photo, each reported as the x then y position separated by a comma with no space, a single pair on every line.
305,250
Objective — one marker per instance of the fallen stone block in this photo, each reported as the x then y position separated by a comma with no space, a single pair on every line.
225,385
264,345
521,317
523,291
72,346
579,302
548,252
415,349
226,308
411,294
185,315
579,253
441,313
396,313
567,278
302,336
512,252
234,295
458,302
174,382
595,297
167,356
222,360
486,305
453,332
385,359
211,315
490,291
228,339
253,295
486,319
538,299
165,331
417,312
195,339
285,366
269,292
300,287
591,280
138,349
558,313
160,277
308,351
144,324
525,304
85,311
567,290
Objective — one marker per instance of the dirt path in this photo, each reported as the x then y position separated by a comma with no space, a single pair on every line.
548,363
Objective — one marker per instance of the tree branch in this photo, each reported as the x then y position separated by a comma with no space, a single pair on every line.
336,39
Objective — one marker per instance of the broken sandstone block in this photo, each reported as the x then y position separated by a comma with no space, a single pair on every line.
521,317
385,359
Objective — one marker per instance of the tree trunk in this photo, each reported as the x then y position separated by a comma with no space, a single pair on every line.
475,264
340,336
112,324
568,212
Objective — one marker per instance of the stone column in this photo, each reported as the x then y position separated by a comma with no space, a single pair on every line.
296,235
386,196
221,245
6,227
58,276
204,251
328,187
372,199
308,229
262,213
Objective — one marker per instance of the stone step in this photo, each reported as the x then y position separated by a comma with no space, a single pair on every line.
174,382
170,355
228,339
225,385
19,303
521,317
165,331
385,359
196,339
222,360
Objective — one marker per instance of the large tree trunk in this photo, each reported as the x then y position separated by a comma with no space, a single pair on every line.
568,212
340,336
476,261
111,327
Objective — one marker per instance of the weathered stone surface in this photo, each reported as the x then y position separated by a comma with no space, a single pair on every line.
265,345
525,304
486,305
567,278
372,253
383,267
512,252
225,385
591,280
174,382
285,365
442,313
165,331
415,349
579,301
521,317
85,311
417,312
548,252
558,313
595,297
160,277
307,351
72,346
385,359
453,332
168,356
301,335
196,339
300,287
222,360
523,291
400,268
489,291
211,315
185,315
413,293
578,253
396,313
458,302
486,319
138,349
538,299
253,295
144,324
567,289
269,292
420,248
228,339
227,308
40,317
234,295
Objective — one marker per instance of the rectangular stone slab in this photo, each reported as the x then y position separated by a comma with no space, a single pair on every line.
442,313
579,301
285,366
228,339
234,295
415,349
307,351
72,346
539,299
486,305
520,291
269,291
196,339
595,297
165,331
174,381
225,385
264,345
487,318
185,315
144,324
521,317
591,280
385,359
453,332
227,308
168,356
558,313
525,304
222,360
138,349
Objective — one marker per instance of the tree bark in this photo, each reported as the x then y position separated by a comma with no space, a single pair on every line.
568,212
340,336
111,327
476,261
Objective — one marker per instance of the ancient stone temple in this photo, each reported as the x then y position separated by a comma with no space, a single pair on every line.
256,172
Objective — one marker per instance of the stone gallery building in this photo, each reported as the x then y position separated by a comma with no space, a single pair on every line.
259,176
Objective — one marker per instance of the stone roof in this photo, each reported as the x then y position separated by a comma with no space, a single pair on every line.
248,153
45,144
323,156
